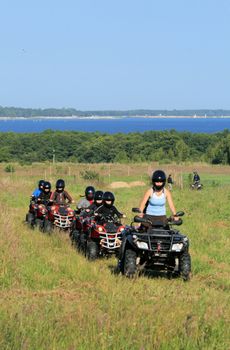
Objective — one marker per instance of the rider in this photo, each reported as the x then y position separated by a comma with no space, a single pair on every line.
60,196
107,208
98,199
196,178
38,190
170,182
44,197
87,200
155,198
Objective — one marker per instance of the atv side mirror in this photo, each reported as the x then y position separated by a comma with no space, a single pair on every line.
180,213
136,210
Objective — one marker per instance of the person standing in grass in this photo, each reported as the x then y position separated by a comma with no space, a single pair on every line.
153,204
170,182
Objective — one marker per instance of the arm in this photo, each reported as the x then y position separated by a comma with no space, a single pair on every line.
68,196
145,199
52,197
170,202
116,212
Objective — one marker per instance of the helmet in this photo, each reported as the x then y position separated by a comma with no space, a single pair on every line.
89,192
158,176
47,187
41,183
98,196
108,196
60,185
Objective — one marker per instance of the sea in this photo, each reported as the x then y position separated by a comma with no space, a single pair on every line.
116,125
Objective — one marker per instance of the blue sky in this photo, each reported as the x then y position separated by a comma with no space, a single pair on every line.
113,54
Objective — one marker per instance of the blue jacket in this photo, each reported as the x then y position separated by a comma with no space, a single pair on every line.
36,192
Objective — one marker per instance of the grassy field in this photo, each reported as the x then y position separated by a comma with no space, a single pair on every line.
52,298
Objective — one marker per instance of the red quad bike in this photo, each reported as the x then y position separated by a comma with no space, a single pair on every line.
36,215
60,216
104,238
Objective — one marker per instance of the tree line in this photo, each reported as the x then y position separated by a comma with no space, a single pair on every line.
68,112
83,147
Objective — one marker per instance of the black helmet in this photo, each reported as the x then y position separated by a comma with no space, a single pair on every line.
158,176
108,196
47,187
89,192
60,185
98,196
41,184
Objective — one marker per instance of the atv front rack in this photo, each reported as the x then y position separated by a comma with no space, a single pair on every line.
62,221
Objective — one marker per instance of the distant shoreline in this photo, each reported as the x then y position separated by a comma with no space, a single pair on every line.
114,117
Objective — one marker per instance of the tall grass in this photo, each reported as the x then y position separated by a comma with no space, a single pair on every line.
52,298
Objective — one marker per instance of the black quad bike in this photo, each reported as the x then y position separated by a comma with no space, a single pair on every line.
159,247
196,186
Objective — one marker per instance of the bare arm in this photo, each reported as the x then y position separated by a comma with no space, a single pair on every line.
170,202
145,199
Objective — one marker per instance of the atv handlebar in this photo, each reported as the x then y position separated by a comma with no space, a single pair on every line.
170,220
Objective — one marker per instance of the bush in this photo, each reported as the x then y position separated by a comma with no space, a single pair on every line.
90,175
9,168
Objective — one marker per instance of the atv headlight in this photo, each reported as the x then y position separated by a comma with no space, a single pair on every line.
176,247
142,245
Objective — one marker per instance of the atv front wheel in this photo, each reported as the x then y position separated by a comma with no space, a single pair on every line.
185,266
92,250
74,235
48,226
130,266
30,219
82,243
39,223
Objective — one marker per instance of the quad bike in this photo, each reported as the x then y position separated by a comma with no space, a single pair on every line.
36,215
103,238
60,216
159,247
196,186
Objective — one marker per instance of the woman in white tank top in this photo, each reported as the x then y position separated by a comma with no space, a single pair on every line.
153,204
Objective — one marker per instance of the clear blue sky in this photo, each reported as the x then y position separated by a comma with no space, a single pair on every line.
115,54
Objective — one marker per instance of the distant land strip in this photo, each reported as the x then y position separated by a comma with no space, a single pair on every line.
18,112
119,117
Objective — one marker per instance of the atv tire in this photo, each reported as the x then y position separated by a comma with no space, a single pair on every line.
130,266
185,266
82,243
39,223
30,219
48,226
75,235
92,250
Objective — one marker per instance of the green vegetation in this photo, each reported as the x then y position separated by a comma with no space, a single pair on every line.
90,175
9,168
52,298
164,146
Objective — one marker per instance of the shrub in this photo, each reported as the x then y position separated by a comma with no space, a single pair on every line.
90,175
9,168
